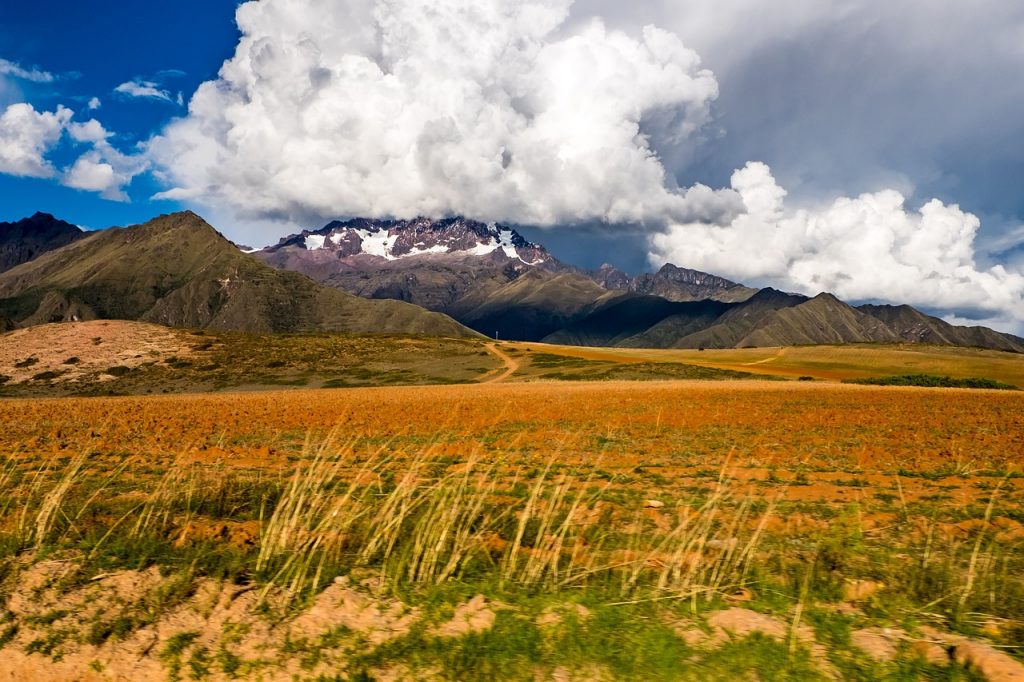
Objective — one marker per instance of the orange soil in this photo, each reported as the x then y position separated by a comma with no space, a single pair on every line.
77,349
835,444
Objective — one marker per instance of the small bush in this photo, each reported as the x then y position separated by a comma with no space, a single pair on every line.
933,381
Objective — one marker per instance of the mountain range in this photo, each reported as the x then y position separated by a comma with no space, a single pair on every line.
491,279
439,277
177,270
486,276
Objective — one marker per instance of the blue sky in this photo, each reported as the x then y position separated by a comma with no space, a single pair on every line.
91,48
875,151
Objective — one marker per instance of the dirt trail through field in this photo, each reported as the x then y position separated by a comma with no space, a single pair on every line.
773,358
511,365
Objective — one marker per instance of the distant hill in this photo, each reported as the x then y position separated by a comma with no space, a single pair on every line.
822,319
530,307
488,277
769,318
727,331
912,325
23,240
177,270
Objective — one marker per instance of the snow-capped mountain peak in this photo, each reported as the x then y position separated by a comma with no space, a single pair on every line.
394,240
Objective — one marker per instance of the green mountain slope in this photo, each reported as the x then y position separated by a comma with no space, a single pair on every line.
532,306
635,320
823,319
735,324
177,270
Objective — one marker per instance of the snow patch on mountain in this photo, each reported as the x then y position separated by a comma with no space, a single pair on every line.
393,241
422,250
504,241
379,243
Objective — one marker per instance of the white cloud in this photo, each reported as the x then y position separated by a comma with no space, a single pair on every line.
146,90
94,103
103,168
867,248
9,68
406,107
90,131
91,173
26,136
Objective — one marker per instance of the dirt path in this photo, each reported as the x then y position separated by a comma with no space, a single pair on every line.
511,364
781,352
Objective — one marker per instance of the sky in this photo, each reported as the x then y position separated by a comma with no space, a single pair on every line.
874,150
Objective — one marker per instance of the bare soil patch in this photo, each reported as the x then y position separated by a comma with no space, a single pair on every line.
74,351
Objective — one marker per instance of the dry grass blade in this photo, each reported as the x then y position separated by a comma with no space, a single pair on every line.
973,564
50,505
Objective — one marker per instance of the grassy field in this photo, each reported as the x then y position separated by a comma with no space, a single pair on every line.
115,357
111,357
516,530
829,363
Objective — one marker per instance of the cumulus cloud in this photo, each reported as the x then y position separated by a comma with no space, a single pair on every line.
842,97
866,248
9,68
94,103
90,131
102,169
91,173
26,136
406,107
105,170
144,89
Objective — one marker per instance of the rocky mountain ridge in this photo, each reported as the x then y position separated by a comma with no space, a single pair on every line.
392,240
674,283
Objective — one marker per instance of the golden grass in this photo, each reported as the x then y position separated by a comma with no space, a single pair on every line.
833,363
680,426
